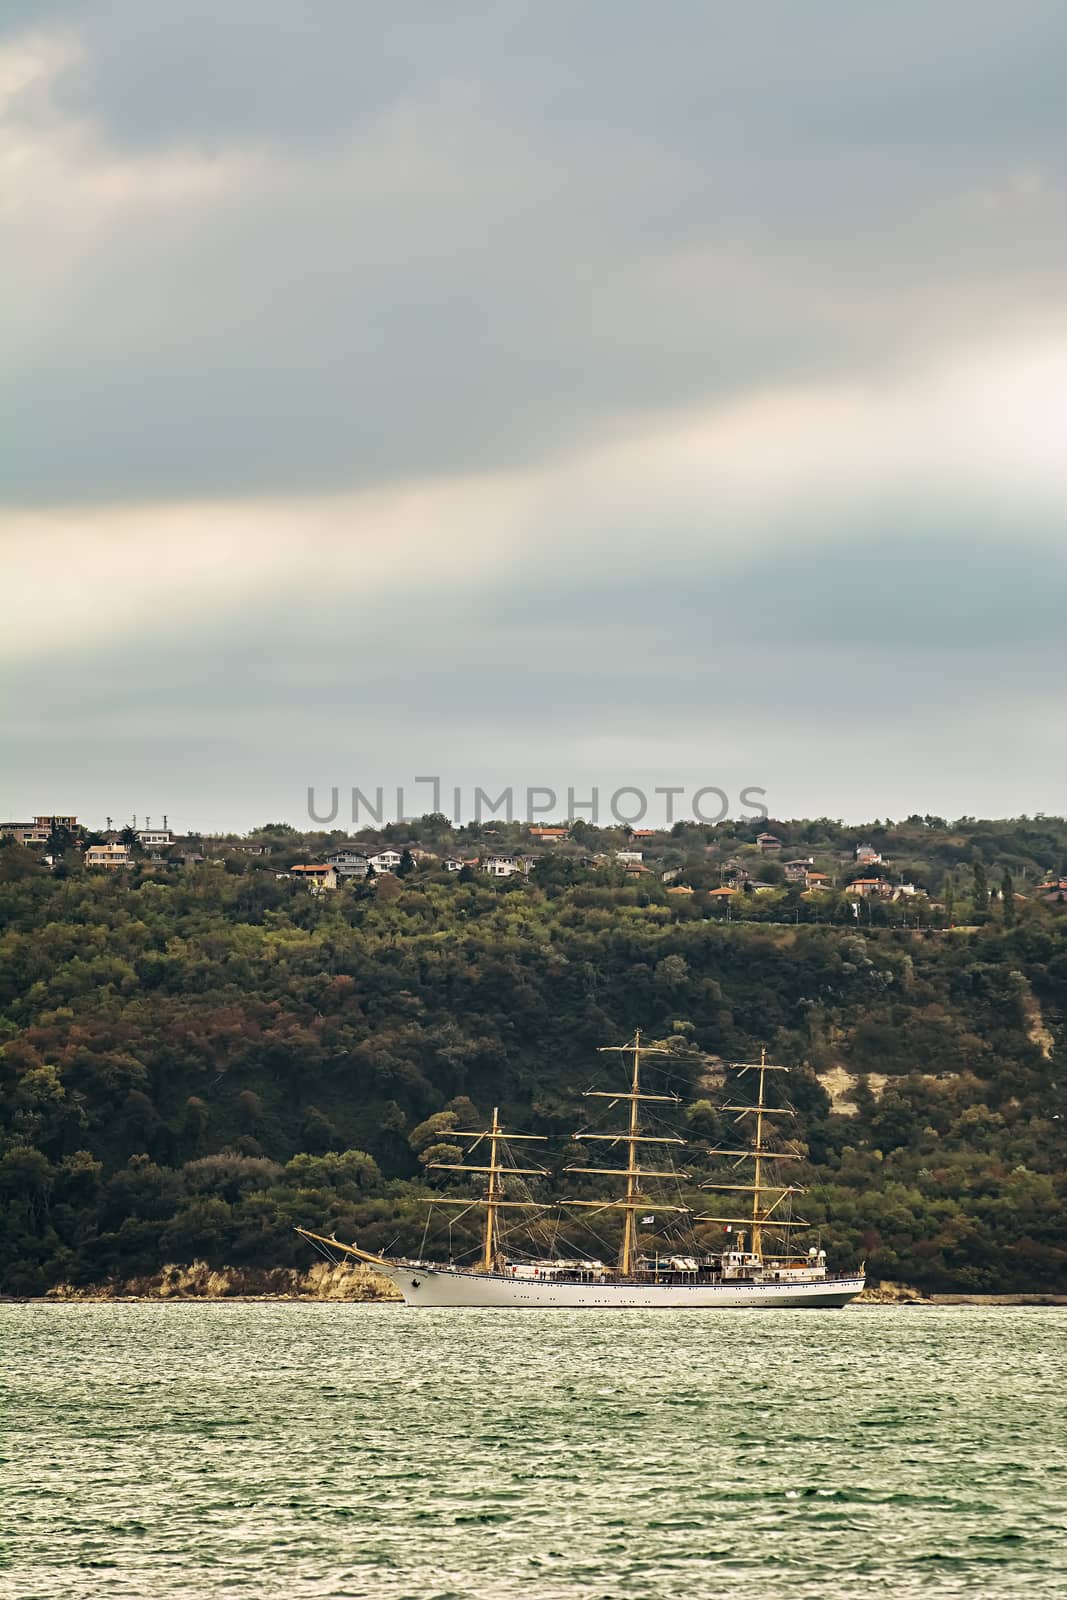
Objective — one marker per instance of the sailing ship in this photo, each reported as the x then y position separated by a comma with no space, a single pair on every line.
740,1273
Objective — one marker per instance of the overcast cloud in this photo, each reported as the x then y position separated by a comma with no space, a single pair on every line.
586,394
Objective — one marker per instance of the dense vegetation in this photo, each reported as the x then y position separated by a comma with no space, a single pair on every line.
196,1059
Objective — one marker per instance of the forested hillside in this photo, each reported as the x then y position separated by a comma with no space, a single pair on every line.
195,1060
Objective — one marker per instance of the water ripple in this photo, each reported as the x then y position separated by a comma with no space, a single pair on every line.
320,1452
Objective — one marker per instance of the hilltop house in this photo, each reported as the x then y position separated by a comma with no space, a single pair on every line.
797,871
30,834
349,862
318,876
107,855
507,866
153,840
768,843
867,855
549,835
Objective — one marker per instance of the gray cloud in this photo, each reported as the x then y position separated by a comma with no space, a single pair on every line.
258,252
820,676
469,236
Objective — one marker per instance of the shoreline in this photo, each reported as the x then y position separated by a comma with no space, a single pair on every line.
368,1295
343,1283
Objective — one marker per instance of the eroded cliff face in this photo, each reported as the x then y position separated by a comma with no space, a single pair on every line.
840,1084
198,1281
1036,1030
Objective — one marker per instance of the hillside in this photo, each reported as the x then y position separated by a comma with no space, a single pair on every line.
195,1059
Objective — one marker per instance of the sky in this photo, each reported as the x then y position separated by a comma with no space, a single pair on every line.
524,394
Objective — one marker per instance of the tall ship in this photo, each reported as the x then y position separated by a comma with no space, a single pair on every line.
678,1274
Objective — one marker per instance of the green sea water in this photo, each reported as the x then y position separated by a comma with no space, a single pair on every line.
300,1451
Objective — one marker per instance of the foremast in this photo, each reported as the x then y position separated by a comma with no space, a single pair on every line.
760,1154
631,1138
494,1199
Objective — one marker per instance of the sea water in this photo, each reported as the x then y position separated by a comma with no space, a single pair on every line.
297,1450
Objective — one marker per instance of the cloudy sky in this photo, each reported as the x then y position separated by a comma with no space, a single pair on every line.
524,393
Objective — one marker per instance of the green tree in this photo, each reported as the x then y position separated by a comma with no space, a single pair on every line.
980,892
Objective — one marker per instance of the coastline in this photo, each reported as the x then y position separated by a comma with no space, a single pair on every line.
323,1284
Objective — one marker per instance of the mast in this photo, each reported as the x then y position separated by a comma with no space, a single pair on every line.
757,1232
494,1198
758,1153
631,1137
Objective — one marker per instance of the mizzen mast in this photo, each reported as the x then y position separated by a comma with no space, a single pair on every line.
494,1198
631,1137
759,1153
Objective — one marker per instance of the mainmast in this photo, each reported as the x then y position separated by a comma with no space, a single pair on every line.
631,1137
494,1198
758,1153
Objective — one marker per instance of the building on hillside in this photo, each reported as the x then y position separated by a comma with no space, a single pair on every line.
631,856
796,871
108,855
768,843
721,894
549,835
816,880
643,833
348,862
867,855
507,866
680,888
870,888
732,872
29,834
318,876
155,840
385,860
48,823
1053,891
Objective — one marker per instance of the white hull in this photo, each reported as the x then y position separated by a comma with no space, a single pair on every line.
447,1286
